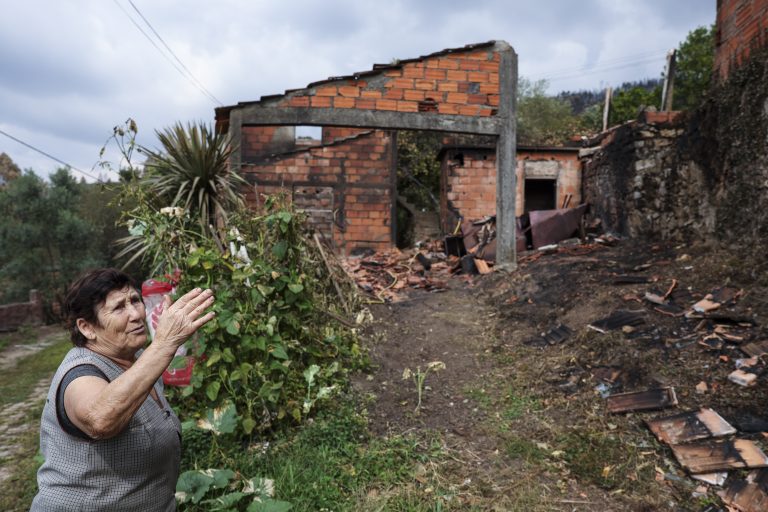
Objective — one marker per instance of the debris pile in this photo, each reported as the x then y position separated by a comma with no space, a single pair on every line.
621,306
702,442
383,275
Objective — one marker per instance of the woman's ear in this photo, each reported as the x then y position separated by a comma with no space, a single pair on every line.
86,329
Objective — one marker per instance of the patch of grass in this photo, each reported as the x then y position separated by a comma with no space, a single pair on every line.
528,451
331,463
17,492
516,404
24,335
511,405
605,460
19,381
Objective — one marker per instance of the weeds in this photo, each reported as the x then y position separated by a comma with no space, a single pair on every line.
420,376
328,463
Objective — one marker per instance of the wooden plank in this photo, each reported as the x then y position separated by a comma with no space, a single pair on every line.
690,426
718,455
642,400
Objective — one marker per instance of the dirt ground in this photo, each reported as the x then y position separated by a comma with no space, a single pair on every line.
522,422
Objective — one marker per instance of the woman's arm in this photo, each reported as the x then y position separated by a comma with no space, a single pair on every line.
103,409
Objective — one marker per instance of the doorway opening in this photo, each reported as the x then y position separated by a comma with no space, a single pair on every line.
540,194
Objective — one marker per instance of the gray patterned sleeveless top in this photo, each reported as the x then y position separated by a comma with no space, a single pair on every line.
133,471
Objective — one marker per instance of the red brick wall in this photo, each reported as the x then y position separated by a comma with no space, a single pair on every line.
465,83
742,25
333,133
13,316
469,188
359,172
261,140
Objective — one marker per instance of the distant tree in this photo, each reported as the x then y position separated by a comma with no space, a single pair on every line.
626,104
542,119
8,169
693,69
46,242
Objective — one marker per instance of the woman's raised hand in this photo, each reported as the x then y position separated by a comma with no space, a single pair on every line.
181,319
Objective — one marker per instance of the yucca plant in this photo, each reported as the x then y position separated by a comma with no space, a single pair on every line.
186,187
192,172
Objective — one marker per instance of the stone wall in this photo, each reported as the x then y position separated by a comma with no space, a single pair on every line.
699,176
13,316
639,182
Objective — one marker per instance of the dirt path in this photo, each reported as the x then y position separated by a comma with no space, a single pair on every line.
14,418
449,327
462,409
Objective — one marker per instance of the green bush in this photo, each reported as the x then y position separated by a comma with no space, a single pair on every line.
275,347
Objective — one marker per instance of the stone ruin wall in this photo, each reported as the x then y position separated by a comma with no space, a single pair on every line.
698,176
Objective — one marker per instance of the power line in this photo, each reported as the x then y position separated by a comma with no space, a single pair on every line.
62,162
173,54
604,66
165,56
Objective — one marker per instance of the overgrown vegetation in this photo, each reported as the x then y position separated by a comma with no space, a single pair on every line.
332,463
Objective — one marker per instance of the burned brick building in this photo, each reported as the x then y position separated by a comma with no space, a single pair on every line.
547,178
346,182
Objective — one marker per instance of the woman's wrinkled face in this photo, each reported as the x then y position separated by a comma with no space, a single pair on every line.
121,330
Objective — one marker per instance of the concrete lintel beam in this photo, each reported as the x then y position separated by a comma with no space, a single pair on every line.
386,120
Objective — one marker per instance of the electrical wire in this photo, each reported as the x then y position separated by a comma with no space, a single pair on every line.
165,56
603,67
173,54
62,162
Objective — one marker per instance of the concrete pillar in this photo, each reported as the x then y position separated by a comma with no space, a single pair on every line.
506,182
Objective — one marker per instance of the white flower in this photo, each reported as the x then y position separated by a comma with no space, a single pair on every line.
173,211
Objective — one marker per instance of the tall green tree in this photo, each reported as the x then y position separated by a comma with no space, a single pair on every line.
542,119
8,169
418,170
626,104
46,242
693,69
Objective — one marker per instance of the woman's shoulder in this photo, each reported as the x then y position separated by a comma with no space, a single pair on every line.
78,356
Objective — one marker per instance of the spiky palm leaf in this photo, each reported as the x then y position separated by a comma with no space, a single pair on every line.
192,171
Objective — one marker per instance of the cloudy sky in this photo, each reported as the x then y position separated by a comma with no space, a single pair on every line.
70,70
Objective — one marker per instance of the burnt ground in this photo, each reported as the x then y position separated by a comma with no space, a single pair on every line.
520,423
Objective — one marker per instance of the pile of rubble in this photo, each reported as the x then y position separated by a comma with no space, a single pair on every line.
384,275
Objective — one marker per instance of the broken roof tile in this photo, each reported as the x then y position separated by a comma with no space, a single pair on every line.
717,455
619,319
690,426
651,399
748,495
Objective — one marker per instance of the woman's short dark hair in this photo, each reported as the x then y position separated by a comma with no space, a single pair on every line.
85,295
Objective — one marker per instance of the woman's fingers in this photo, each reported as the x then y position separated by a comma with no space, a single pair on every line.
193,299
183,317
202,320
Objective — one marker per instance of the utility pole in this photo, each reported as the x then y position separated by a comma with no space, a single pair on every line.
607,107
669,82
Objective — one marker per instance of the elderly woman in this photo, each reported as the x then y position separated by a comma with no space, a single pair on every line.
110,440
